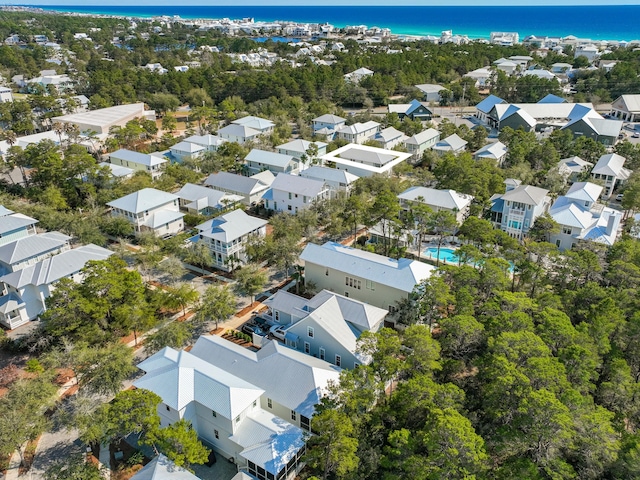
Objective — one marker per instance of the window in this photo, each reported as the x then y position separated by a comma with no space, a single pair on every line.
346,294
356,364
338,360
289,195
322,353
213,413
304,423
566,230
293,415
237,418
289,207
393,309
310,332
269,403
370,285
558,243
255,403
307,347
304,199
353,283
277,315
326,272
168,409
216,434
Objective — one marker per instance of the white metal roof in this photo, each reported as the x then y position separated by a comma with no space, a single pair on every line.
451,143
326,174
135,157
311,375
230,226
256,123
236,183
31,246
422,137
610,164
402,274
145,199
526,194
270,158
161,468
186,378
104,116
449,199
15,221
329,118
300,145
299,185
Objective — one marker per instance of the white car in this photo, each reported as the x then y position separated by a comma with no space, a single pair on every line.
278,331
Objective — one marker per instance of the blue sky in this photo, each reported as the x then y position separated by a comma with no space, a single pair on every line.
326,2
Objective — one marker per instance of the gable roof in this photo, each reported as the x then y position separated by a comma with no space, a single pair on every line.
270,158
235,130
145,199
359,314
300,145
31,246
202,197
402,274
611,164
161,468
311,374
329,118
358,127
254,122
570,214
430,88
187,147
230,226
206,140
298,185
449,199
52,269
326,174
452,142
526,194
237,183
573,164
494,151
185,378
630,103
551,98
15,221
145,159
488,103
422,137
584,191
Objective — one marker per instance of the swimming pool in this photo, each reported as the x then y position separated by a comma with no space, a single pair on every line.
447,255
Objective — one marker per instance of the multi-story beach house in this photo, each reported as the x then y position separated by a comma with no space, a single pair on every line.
516,210
150,210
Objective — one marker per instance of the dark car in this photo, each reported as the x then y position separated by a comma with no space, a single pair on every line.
250,328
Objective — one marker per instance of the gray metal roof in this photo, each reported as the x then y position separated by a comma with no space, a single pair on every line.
5,211
357,128
235,130
15,221
300,145
326,174
449,199
52,269
236,183
206,140
329,118
10,302
145,199
270,158
161,468
402,274
254,122
299,185
31,246
422,137
140,158
360,314
213,198
452,142
230,226
272,368
526,194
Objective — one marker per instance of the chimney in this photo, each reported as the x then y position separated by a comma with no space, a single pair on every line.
612,223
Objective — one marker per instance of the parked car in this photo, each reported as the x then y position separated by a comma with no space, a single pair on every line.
619,197
278,331
250,328
262,322
636,134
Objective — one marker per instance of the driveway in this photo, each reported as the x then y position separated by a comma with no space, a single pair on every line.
54,446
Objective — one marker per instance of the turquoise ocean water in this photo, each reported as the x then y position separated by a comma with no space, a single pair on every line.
614,22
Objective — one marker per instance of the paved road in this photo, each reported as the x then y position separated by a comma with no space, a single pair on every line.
54,446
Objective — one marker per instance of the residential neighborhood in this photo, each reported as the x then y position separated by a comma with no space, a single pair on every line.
246,250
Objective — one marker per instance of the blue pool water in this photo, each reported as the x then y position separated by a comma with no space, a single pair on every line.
446,254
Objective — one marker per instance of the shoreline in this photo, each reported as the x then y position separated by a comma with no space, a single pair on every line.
398,30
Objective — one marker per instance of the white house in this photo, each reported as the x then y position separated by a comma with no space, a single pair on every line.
23,292
150,210
101,120
365,276
227,236
259,160
262,125
420,142
326,326
438,200
6,95
211,143
182,151
582,218
430,92
327,125
200,200
485,106
250,188
482,76
337,180
388,138
299,148
224,410
117,171
516,210
291,193
365,161
571,168
610,169
452,144
496,151
358,132
627,108
507,66
145,162
357,75
238,133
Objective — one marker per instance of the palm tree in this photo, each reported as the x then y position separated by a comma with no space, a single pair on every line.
298,276
59,128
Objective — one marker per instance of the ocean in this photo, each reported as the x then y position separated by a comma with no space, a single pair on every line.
614,22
